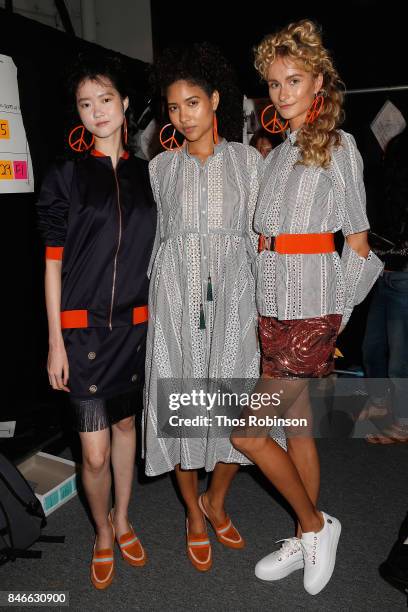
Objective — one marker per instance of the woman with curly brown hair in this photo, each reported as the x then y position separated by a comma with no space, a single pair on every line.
312,187
202,312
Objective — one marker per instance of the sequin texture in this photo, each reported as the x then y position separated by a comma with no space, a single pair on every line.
303,348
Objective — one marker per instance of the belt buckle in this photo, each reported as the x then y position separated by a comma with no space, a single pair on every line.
272,243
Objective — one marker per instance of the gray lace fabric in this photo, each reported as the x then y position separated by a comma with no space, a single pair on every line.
298,199
205,230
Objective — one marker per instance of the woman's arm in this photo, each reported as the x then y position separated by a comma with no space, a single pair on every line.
57,365
52,210
360,266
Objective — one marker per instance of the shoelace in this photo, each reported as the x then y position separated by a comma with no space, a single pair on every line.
289,547
309,550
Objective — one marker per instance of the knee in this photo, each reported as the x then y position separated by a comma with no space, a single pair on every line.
125,425
97,461
248,446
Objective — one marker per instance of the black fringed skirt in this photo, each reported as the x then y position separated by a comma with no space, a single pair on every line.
106,374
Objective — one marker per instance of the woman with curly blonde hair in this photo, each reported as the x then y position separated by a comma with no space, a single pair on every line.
312,187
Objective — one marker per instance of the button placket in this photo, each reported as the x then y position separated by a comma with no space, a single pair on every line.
203,229
204,223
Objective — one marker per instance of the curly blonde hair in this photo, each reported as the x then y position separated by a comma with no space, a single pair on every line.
301,42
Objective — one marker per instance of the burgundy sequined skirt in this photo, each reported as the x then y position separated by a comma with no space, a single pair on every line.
301,348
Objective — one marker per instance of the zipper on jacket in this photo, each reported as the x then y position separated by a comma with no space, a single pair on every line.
115,261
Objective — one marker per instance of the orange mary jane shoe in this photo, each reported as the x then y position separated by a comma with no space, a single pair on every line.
226,533
199,550
103,565
132,549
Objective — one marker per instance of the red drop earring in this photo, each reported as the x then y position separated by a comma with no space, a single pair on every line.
315,110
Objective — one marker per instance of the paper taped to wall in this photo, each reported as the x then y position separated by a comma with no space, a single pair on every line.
16,171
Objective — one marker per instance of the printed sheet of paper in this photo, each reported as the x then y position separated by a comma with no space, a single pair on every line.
16,171
388,123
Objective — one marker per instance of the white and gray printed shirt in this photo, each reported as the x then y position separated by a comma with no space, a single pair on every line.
299,199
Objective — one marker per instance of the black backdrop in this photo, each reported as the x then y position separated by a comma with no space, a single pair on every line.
41,55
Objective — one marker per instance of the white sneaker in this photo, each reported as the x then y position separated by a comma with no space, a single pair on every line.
319,553
282,562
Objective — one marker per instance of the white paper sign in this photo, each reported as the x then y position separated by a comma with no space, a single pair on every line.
388,123
16,171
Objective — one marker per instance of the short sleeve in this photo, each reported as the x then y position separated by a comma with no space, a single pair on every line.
53,207
351,165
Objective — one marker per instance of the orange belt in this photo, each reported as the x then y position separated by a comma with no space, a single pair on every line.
296,244
71,319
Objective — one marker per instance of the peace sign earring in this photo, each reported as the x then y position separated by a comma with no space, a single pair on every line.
273,125
77,140
171,143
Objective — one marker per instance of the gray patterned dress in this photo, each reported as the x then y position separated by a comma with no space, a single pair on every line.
205,214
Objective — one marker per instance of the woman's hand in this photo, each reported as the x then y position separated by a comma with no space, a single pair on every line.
57,366
359,243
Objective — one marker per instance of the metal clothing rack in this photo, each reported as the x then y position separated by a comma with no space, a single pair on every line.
377,89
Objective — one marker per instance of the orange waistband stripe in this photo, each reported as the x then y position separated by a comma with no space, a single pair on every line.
298,244
140,315
53,252
77,319
71,319
293,244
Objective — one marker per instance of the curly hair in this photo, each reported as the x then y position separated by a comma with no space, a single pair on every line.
301,42
204,65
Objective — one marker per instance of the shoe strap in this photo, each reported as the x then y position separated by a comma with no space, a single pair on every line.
130,539
224,526
198,543
104,555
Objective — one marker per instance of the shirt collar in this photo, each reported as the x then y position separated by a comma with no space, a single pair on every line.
292,136
96,153
218,148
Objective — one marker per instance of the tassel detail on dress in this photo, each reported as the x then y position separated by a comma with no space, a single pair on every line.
202,318
209,290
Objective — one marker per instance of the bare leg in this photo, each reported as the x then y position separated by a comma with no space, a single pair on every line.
123,463
214,498
187,481
302,450
275,463
96,479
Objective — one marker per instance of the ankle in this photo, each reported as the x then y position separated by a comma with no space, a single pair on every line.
315,524
103,528
119,516
213,502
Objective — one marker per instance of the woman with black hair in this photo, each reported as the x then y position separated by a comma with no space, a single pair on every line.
202,299
97,218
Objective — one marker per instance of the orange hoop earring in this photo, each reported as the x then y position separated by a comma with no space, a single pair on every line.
125,131
275,122
77,140
315,110
171,143
215,128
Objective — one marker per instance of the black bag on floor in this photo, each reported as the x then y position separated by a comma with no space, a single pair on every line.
21,516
